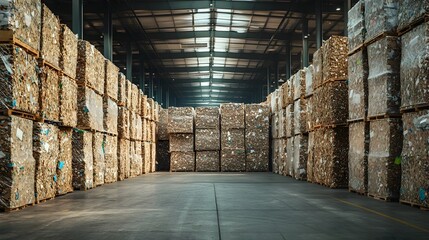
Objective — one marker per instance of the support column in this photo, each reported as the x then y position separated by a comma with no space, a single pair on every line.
347,6
305,55
276,75
142,77
151,79
129,62
108,31
77,18
268,81
288,60
319,24
167,98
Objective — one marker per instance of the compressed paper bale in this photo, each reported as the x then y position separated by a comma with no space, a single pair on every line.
99,161
282,124
17,165
285,94
68,51
299,85
145,126
207,161
356,25
64,164
49,100
148,109
309,72
122,93
153,157
316,114
136,162
136,126
45,152
123,159
90,67
182,161
123,123
381,16
333,103
149,131
318,67
275,125
280,98
415,158
50,37
162,125
384,58
335,65
151,109
384,172
358,156
233,160
83,168
181,142
290,157
415,67
257,138
22,18
232,139
156,112
180,120
410,11
330,157
283,165
289,120
257,116
358,85
154,134
110,116
275,155
128,93
147,157
207,117
19,88
257,160
68,102
232,115
273,102
310,157
309,108
299,116
144,106
300,156
163,156
111,158
90,109
207,139
134,98
111,80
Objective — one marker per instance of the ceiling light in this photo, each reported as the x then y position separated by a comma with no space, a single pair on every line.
205,84
193,45
271,49
338,9
125,68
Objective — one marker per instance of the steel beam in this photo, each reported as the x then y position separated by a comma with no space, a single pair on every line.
108,31
319,23
129,62
305,54
77,18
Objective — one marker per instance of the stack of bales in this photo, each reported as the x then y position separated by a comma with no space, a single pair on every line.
309,74
284,99
163,157
207,139
136,133
277,133
124,111
152,119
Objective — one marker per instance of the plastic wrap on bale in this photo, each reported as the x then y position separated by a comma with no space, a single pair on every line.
318,67
123,159
68,51
49,100
300,151
233,160
207,117
207,139
19,88
358,156
99,161
356,25
111,80
232,115
410,11
50,50
111,158
83,168
90,109
68,102
182,161
207,161
64,163
180,120
358,85
17,165
381,17
110,116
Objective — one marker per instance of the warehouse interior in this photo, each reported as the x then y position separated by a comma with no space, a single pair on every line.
214,119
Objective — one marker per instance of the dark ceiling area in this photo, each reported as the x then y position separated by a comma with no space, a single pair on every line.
194,53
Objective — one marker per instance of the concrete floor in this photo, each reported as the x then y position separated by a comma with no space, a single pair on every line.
215,206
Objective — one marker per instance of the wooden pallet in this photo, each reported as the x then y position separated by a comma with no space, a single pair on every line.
384,199
12,112
413,24
42,63
357,192
415,205
7,36
121,104
83,84
415,108
356,49
7,210
67,75
356,120
44,200
380,36
383,116
52,122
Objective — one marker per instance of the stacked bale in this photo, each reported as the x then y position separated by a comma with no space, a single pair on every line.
233,154
257,137
136,132
309,99
181,137
207,139
163,158
124,111
286,99
153,116
277,134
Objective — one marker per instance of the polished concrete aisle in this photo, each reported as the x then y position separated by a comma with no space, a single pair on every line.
215,206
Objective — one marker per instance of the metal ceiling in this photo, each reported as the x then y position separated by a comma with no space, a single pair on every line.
207,52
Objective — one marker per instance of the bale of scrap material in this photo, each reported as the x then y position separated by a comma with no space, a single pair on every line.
310,157
19,88
282,123
68,51
299,85
136,163
111,80
257,160
309,108
146,151
128,93
182,161
289,120
151,109
257,138
49,100
162,125
99,161
257,116
134,98
415,160
207,139
110,116
318,68
68,102
180,120
90,67
232,139
384,171
275,155
415,67
275,125
358,156
333,103
358,85
232,115
50,37
64,163
144,105
233,160
410,11
111,158
83,171
123,159
207,117
123,123
309,72
356,25
122,93
299,116
136,125
290,168
207,161
17,168
21,19
300,156
384,58
335,65
381,17
90,109
45,152
181,142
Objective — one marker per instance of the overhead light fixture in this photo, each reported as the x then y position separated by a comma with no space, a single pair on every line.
271,49
125,68
205,84
193,45
338,9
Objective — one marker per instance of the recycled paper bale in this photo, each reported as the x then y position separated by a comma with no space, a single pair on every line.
163,124
134,98
358,156
99,161
45,152
310,157
122,93
83,168
128,93
257,160
415,159
299,116
136,163
257,116
123,159
181,142
232,139
65,159
300,151
68,102
290,157
233,160
285,94
356,25
111,158
358,85
151,109
123,123
144,106
318,68
111,80
333,103
282,123
180,120
384,171
207,117
207,161
275,125
21,19
257,138
147,157
19,88
309,108
49,100
299,85
90,109
68,51
410,11
289,120
335,65
207,139
110,116
309,72
384,87
381,16
50,38
232,115
90,67
182,161
17,165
